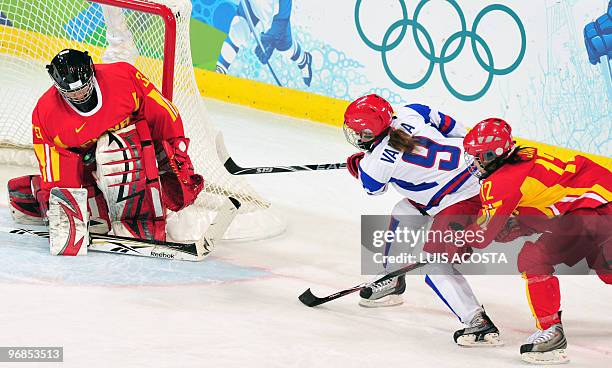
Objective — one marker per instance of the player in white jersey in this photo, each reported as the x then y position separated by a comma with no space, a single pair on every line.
419,151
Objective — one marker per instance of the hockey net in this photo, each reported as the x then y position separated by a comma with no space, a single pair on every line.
143,32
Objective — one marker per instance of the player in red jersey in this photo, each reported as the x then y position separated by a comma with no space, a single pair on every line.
567,202
108,129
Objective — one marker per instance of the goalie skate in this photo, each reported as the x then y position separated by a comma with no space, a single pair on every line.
481,332
546,347
383,294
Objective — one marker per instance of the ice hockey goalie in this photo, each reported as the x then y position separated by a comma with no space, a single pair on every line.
107,129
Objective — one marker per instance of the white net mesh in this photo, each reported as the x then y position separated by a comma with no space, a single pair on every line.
32,32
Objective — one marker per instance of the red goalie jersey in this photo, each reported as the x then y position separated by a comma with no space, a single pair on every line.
125,96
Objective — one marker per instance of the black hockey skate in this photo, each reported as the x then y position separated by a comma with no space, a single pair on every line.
384,294
546,346
480,332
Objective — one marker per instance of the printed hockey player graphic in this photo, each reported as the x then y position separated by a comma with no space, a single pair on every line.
419,151
598,40
526,190
106,128
269,21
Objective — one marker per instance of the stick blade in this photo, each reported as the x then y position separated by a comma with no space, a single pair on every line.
222,221
309,299
220,147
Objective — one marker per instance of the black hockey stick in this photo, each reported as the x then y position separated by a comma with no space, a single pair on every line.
311,300
234,169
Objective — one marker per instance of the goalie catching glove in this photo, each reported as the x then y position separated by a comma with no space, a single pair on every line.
180,183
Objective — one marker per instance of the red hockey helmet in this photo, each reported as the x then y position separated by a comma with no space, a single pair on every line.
489,142
365,119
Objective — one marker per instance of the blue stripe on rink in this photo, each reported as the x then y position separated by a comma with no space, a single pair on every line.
24,258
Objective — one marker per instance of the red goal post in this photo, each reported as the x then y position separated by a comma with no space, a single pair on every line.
169,35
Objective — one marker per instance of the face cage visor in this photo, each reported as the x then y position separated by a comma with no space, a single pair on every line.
483,168
473,168
362,141
78,95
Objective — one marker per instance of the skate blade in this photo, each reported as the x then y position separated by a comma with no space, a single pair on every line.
558,356
490,340
386,301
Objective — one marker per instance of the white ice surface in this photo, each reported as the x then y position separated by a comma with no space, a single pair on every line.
240,307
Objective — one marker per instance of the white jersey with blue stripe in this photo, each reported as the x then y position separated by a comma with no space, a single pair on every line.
435,175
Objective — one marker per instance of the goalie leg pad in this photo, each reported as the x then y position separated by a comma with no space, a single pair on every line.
68,219
26,208
99,222
23,204
126,174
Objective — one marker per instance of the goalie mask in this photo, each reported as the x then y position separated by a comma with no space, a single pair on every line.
73,72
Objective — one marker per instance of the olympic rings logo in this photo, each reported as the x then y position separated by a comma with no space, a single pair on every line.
445,56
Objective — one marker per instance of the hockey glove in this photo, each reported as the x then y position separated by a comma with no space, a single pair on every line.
182,185
513,230
352,163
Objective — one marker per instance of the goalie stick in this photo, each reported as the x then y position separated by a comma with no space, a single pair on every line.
310,300
234,169
195,251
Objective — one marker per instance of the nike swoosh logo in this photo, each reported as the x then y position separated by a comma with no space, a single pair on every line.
78,130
